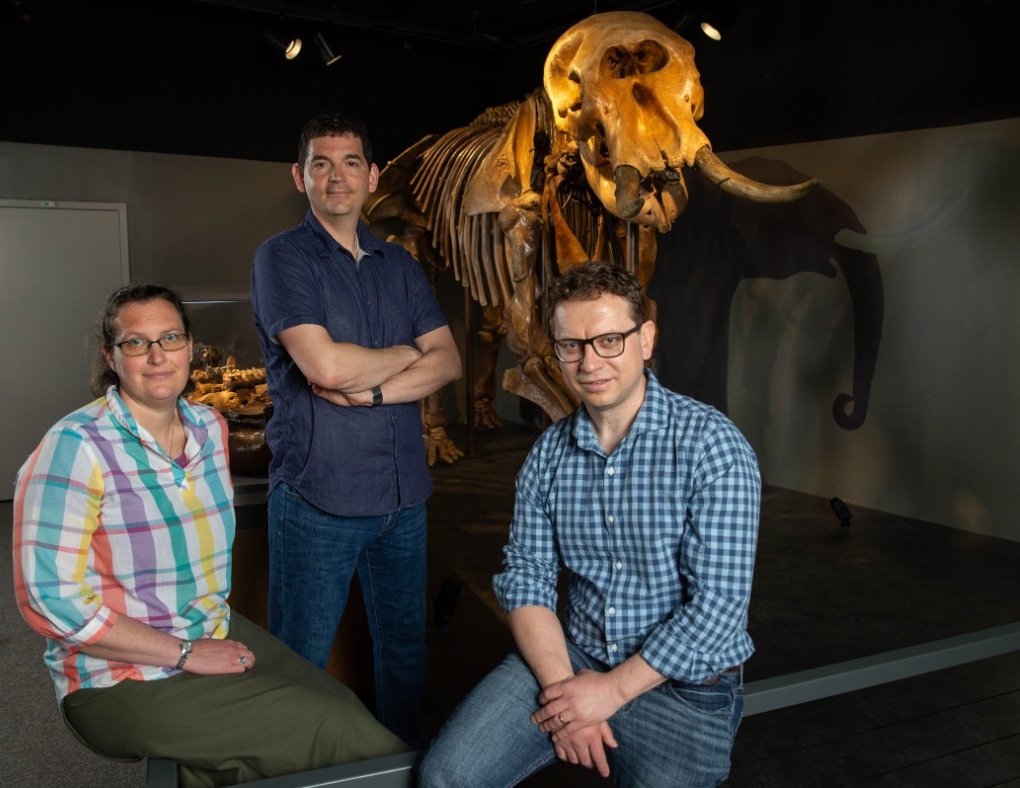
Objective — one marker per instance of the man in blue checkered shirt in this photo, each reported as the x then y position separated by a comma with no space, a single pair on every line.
650,500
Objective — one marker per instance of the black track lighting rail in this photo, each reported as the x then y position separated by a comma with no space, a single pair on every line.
475,38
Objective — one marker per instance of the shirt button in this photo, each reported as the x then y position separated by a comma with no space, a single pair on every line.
611,519
619,564
610,470
612,647
612,611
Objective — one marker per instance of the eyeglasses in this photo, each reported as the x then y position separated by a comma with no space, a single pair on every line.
138,346
604,345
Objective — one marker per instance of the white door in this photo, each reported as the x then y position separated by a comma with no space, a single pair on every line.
58,263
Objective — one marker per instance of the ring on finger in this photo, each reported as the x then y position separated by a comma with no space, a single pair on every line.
560,718
243,660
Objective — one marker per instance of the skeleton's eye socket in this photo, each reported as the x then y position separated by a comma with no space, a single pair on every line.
650,56
644,58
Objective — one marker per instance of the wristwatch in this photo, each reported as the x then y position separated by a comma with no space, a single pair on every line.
185,653
376,396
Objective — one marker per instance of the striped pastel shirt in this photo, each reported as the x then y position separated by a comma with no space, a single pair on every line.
659,536
106,524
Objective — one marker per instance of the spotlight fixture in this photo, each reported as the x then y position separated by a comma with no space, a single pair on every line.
290,46
326,52
718,19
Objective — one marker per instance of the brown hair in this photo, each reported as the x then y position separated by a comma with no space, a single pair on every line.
590,280
332,125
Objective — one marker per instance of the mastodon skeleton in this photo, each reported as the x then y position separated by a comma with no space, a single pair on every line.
591,167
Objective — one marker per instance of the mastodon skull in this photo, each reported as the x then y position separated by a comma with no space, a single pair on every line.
624,87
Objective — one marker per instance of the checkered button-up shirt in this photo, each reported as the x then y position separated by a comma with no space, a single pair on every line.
659,536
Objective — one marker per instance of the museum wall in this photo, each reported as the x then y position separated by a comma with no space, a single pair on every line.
193,221
941,437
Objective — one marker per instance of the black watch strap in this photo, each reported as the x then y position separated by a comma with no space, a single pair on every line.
376,396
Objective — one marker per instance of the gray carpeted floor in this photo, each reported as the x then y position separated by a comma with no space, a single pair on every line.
36,749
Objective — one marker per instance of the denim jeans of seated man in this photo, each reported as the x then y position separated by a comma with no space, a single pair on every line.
313,556
678,734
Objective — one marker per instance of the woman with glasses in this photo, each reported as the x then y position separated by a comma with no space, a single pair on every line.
123,526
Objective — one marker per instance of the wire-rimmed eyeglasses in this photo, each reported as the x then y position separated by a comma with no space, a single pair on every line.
139,346
604,345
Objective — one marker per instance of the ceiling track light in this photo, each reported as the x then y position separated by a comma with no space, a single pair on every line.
719,18
326,52
290,46
684,22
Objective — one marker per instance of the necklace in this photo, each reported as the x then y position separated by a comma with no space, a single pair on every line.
171,439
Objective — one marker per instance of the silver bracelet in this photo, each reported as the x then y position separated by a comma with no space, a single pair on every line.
185,653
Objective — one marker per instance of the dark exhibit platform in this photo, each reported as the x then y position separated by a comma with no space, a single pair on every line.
823,594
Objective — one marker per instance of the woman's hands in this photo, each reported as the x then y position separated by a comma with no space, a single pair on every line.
132,641
213,657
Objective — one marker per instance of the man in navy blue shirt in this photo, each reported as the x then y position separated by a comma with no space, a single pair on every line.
651,501
353,339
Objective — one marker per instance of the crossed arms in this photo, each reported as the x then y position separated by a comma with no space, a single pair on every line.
345,373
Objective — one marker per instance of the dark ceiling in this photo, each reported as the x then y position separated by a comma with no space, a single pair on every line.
197,77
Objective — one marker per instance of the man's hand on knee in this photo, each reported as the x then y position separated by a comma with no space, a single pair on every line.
586,747
584,699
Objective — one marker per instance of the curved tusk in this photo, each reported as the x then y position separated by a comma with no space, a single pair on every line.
732,182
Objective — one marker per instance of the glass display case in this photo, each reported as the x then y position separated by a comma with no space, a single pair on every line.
227,326
229,374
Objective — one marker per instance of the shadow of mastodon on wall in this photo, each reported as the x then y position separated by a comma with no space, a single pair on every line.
719,241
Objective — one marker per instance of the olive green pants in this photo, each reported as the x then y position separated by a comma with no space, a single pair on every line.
282,716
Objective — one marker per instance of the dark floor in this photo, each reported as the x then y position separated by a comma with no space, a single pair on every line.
823,594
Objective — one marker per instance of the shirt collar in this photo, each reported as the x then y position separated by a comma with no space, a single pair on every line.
119,411
650,416
327,245
122,415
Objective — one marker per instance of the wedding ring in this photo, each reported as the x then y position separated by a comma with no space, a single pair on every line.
560,718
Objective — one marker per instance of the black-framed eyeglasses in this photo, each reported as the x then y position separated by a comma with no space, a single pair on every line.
604,345
138,346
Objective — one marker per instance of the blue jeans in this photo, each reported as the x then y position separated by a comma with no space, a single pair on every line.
313,556
678,734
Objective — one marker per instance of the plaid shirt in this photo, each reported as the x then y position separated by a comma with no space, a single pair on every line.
659,536
106,524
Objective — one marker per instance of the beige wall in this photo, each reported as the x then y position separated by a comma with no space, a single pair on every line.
192,220
942,438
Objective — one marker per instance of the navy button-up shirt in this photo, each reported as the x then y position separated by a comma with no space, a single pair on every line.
353,462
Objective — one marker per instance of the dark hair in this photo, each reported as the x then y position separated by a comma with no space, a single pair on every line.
104,335
333,125
590,280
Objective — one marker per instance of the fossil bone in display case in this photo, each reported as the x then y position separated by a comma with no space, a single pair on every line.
229,374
